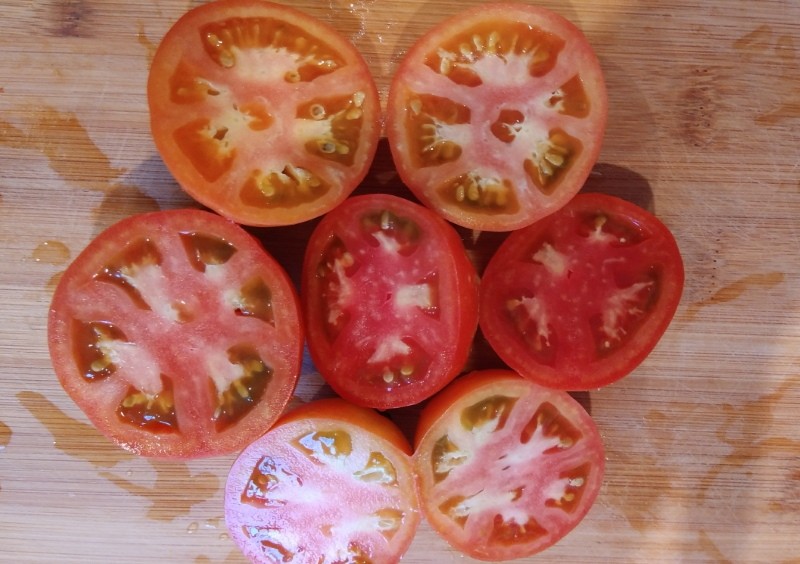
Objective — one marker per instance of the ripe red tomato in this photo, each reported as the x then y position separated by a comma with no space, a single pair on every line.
330,482
389,299
496,116
177,335
261,112
505,467
580,298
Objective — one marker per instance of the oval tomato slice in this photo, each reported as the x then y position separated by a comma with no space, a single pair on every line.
389,299
177,335
329,483
580,298
261,112
496,116
505,467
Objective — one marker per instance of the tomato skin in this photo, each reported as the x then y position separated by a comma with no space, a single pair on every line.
498,146
339,488
579,299
390,310
261,112
530,456
177,335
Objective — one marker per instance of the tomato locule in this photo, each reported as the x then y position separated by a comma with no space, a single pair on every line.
177,335
389,298
261,112
580,298
496,116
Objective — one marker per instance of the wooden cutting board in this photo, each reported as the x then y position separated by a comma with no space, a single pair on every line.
703,440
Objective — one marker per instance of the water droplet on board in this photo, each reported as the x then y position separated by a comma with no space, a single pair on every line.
51,252
192,528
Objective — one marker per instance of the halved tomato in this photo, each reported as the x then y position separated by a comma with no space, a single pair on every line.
389,298
261,112
580,298
496,116
177,335
330,482
505,467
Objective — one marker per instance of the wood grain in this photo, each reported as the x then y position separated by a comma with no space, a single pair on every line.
702,440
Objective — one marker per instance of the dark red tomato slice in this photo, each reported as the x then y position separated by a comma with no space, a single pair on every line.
496,116
177,335
329,483
505,467
389,299
580,298
261,112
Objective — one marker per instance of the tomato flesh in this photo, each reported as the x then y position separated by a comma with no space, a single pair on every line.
579,299
505,467
390,301
177,334
331,482
261,112
496,116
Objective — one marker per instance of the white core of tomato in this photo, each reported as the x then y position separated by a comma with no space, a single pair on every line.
391,347
358,524
535,448
343,288
555,262
537,311
134,364
221,370
388,244
620,305
413,296
150,282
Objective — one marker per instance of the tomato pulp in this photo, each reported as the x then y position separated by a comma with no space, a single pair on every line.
261,112
580,298
177,334
505,467
496,116
330,482
389,299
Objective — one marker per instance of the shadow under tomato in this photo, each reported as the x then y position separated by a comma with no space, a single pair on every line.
621,182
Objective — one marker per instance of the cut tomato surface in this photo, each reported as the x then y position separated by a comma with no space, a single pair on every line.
580,298
261,112
390,301
496,116
505,467
177,335
329,483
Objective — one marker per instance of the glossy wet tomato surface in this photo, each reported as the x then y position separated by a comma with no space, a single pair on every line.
389,299
261,112
505,467
177,335
580,298
330,483
496,116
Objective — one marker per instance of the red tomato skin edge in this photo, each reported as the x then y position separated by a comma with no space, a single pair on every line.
342,410
488,10
58,339
468,291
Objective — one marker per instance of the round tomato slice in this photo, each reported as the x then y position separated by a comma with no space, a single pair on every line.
177,335
331,482
505,467
390,299
496,116
580,298
261,112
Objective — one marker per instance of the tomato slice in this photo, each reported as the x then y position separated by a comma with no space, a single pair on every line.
177,335
329,483
580,298
505,467
389,298
261,112
496,116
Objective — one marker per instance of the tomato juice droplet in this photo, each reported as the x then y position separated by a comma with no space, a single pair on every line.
51,252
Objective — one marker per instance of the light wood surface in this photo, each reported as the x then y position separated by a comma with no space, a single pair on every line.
703,440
